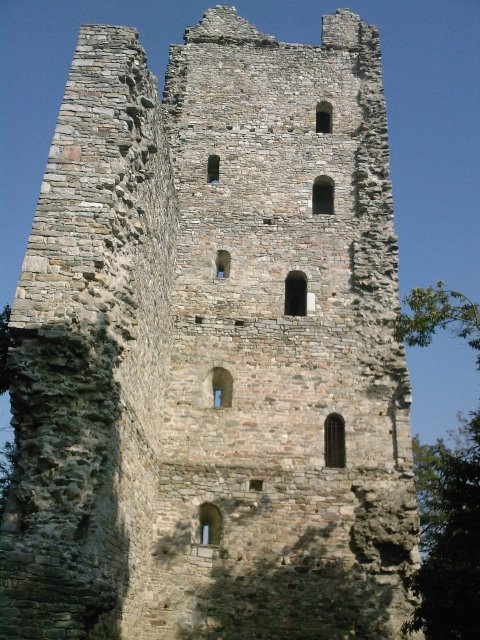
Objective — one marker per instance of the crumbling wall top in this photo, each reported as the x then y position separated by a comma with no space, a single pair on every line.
222,25
341,30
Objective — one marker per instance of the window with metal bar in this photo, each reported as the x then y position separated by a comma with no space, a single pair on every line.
334,441
213,169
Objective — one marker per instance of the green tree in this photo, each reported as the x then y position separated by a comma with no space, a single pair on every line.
439,308
448,486
7,453
6,341
7,467
448,581
428,467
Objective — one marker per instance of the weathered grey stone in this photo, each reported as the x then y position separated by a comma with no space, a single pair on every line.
122,326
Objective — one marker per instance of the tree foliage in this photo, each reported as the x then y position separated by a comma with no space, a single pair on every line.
439,308
7,467
447,480
7,453
448,581
6,341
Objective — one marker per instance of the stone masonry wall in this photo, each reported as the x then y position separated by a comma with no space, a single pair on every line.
93,293
292,371
315,552
122,319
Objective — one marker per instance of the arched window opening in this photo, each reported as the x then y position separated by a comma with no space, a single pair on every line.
334,441
213,170
322,195
296,294
324,118
222,263
210,524
222,387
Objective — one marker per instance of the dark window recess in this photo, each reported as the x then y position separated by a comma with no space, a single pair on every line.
213,170
239,323
322,196
324,118
268,221
222,387
198,319
296,294
334,441
256,485
222,263
210,524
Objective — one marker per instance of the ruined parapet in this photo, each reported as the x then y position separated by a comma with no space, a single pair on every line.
223,25
93,290
342,30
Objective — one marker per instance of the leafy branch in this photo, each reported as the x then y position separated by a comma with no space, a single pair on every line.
438,308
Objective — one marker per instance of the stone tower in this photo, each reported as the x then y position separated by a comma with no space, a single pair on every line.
210,406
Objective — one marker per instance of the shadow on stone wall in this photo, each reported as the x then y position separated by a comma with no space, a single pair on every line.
299,595
169,547
64,551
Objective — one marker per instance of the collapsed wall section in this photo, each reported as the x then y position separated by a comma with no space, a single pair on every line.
91,323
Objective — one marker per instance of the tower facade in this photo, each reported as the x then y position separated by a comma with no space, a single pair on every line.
211,408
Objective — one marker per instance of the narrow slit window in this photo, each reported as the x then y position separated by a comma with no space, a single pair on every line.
334,441
296,294
205,534
213,170
323,196
222,387
222,264
324,118
210,524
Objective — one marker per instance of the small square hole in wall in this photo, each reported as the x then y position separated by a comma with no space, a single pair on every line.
198,319
255,485
268,221
239,323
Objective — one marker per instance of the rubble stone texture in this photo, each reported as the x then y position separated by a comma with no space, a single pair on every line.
121,320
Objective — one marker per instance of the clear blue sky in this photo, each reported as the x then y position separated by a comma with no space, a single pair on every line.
431,60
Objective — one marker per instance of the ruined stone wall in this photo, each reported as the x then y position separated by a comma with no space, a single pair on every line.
91,317
121,319
316,552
